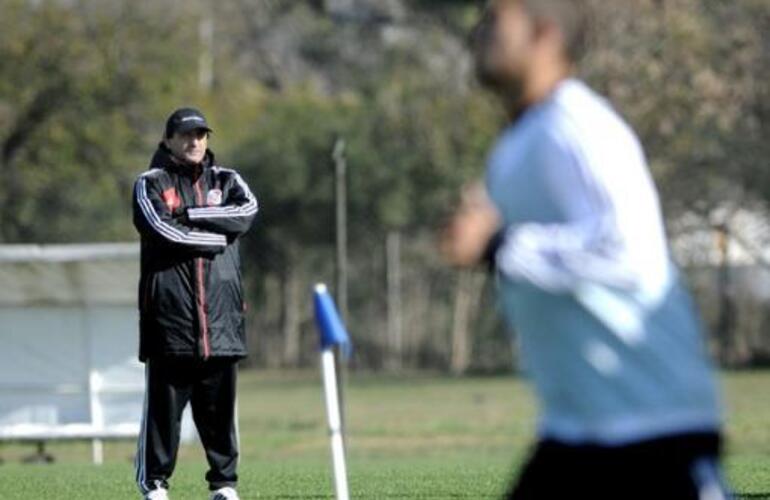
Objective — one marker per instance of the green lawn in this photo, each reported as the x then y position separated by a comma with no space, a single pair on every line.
417,437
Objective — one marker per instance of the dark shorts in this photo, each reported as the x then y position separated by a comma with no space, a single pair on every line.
680,467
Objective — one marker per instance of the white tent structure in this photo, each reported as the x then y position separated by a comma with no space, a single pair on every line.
68,327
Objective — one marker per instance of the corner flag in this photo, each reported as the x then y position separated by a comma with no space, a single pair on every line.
332,333
330,326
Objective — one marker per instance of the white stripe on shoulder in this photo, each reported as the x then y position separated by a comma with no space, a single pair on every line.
150,172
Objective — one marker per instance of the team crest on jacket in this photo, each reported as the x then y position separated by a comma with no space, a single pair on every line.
214,197
171,199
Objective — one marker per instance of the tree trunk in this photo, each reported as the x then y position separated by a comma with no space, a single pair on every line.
395,327
726,319
466,302
46,103
206,53
418,316
290,316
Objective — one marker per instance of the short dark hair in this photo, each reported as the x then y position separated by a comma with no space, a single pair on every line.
571,16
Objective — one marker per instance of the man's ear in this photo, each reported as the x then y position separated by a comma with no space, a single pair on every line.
541,26
547,29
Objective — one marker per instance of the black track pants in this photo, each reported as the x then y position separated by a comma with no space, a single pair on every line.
681,467
209,386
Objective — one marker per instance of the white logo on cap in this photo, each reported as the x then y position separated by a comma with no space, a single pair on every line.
188,118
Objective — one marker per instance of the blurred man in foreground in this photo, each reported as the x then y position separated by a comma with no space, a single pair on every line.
571,219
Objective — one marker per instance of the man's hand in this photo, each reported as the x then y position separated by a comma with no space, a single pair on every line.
181,217
469,232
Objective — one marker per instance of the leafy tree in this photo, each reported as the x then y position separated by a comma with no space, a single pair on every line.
76,87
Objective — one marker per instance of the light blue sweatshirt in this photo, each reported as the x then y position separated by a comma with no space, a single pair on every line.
607,333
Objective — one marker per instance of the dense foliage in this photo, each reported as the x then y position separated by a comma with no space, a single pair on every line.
85,86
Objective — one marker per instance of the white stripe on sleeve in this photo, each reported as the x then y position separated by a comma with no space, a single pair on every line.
168,231
249,208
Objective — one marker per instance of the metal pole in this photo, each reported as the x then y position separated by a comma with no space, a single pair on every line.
341,225
341,278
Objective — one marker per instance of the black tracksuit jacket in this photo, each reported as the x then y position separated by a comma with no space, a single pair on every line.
190,292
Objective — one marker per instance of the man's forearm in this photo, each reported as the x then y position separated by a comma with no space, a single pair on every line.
229,220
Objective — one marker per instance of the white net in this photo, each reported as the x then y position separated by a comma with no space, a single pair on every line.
68,326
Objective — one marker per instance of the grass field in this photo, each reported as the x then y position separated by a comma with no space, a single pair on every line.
417,437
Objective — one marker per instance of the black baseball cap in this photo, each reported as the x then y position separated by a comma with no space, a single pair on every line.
185,119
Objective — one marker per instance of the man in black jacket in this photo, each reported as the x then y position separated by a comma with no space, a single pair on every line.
190,213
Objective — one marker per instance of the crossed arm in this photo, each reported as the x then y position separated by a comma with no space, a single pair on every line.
233,217
610,233
206,230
